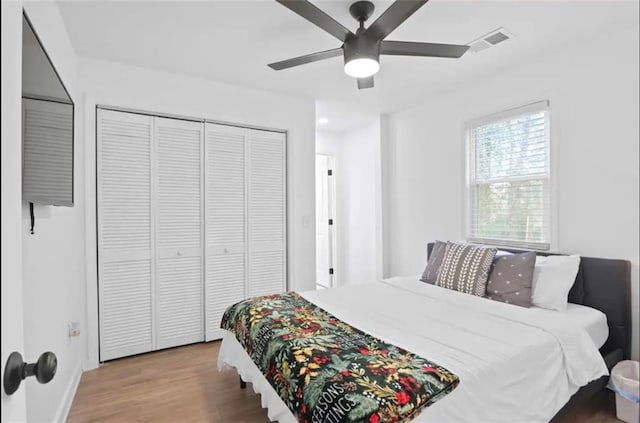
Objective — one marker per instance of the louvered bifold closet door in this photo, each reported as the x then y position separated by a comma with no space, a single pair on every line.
125,240
266,213
225,222
179,292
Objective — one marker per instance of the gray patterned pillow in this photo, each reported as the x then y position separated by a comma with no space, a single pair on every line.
511,279
430,273
465,268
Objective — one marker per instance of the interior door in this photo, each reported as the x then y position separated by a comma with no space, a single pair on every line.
226,212
12,227
125,255
179,292
325,269
266,212
14,406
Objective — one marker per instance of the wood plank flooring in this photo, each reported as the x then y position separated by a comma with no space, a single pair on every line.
183,385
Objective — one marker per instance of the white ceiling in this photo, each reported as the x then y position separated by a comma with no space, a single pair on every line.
232,41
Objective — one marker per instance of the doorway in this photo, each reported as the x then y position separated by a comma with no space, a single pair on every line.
325,222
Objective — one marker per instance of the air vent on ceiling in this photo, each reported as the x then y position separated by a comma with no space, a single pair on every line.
491,39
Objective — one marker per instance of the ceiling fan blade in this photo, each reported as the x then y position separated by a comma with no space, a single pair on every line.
391,18
365,82
407,48
309,58
317,17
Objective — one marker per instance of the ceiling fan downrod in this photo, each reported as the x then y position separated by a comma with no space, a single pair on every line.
361,11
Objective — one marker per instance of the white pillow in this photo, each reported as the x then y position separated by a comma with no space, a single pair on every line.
553,277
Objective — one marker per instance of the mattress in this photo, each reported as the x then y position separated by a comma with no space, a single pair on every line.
514,364
591,320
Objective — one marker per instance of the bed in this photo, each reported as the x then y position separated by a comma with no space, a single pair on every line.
513,364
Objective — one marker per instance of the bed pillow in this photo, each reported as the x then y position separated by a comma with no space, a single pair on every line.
553,277
465,268
430,273
511,278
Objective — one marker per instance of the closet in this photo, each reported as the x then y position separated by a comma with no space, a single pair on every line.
191,219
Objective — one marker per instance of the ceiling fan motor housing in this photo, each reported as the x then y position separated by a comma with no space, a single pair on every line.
361,47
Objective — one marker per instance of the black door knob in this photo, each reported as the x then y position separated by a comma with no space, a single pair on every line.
17,370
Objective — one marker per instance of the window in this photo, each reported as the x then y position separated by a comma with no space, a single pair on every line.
508,176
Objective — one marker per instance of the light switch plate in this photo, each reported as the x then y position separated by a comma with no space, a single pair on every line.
74,329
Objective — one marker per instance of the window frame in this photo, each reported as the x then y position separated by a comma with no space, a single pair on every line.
470,188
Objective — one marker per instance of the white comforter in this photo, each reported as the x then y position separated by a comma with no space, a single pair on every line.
514,364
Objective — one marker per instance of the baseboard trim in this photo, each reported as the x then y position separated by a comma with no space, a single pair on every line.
69,395
89,365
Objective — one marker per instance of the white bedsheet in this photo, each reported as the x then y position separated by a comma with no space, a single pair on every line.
592,320
514,364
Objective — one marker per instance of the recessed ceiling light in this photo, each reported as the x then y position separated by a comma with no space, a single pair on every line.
323,120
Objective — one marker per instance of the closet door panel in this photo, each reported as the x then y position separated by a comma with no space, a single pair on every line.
225,221
125,240
179,301
267,273
225,286
179,293
266,204
127,325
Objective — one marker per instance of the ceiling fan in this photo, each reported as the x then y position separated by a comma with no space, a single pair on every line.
362,50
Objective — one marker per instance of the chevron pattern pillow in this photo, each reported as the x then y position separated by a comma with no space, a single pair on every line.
465,268
430,274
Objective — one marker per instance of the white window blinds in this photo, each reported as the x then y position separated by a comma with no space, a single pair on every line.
509,178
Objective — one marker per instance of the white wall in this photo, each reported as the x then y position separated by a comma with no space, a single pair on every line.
359,150
593,91
356,153
53,258
14,406
113,84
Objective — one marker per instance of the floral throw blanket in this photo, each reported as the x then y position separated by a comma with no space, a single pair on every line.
328,371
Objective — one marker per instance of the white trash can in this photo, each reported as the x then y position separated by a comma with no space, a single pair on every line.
625,382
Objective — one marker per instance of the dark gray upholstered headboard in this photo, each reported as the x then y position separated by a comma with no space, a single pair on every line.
603,284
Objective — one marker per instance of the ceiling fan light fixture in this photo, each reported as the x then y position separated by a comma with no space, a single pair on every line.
361,56
362,67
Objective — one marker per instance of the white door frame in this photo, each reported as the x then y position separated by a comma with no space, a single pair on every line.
332,234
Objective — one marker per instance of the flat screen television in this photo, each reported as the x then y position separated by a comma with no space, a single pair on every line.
47,127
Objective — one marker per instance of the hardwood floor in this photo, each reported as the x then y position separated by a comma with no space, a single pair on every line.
183,385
